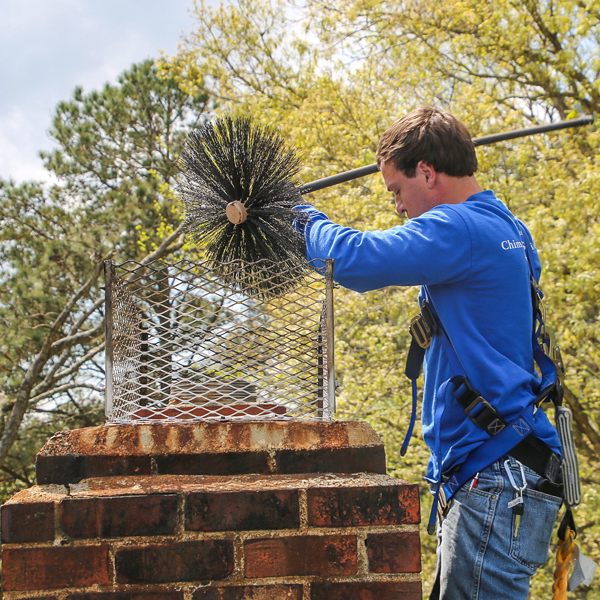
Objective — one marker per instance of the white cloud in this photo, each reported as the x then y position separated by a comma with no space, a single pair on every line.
47,47
18,135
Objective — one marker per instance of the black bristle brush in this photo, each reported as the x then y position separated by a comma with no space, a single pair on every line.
237,185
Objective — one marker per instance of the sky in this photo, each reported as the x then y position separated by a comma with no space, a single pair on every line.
48,47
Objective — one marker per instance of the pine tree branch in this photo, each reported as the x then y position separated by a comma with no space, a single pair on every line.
63,388
78,338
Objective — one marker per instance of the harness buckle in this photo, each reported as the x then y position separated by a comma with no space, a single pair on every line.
423,326
558,362
487,418
420,332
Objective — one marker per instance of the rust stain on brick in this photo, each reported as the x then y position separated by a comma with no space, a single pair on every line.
209,437
157,484
363,506
39,493
242,511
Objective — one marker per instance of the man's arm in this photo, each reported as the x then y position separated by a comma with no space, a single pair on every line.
433,248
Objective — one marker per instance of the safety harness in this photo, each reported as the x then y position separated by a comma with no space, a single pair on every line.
559,478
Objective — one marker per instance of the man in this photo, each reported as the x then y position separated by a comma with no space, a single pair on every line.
469,253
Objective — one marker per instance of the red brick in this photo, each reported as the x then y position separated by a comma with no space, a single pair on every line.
250,592
54,567
366,590
66,468
112,466
27,522
226,463
368,459
237,511
79,517
301,555
394,552
183,561
122,516
363,506
141,595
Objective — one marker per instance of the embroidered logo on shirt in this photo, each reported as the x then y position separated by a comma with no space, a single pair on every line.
511,245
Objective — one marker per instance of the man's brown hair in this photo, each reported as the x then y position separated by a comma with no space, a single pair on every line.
431,135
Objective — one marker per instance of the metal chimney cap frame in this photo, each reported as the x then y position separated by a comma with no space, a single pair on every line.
182,344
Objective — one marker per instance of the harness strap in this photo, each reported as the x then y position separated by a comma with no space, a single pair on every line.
479,410
413,418
491,450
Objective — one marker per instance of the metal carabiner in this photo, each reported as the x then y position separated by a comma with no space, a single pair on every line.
511,478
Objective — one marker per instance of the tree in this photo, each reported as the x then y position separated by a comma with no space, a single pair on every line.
332,76
113,169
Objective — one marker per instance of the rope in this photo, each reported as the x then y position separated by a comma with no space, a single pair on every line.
564,557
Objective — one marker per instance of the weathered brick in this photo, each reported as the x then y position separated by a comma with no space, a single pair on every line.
363,506
250,592
183,561
54,567
394,552
79,517
121,516
27,522
228,463
246,510
141,595
112,466
301,555
367,459
64,469
366,590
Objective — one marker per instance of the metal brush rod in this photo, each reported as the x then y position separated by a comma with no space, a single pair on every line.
326,182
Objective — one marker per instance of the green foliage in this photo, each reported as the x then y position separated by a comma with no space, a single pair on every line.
110,198
333,76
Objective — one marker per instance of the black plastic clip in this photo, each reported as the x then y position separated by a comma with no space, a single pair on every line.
487,418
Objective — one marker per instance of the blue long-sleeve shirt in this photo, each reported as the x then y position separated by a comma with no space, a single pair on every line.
472,258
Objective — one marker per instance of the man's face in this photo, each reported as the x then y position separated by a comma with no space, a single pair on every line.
412,195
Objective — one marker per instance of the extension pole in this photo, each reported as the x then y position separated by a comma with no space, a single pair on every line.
326,182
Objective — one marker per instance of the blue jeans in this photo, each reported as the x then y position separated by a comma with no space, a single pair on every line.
479,555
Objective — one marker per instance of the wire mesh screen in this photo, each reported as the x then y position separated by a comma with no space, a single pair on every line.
182,344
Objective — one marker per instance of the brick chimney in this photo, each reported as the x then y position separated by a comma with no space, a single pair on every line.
213,510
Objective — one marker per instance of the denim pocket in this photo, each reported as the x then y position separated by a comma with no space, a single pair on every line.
530,546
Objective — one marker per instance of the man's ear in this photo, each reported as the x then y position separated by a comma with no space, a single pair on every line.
428,172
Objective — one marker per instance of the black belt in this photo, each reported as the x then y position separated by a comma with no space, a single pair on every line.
536,455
